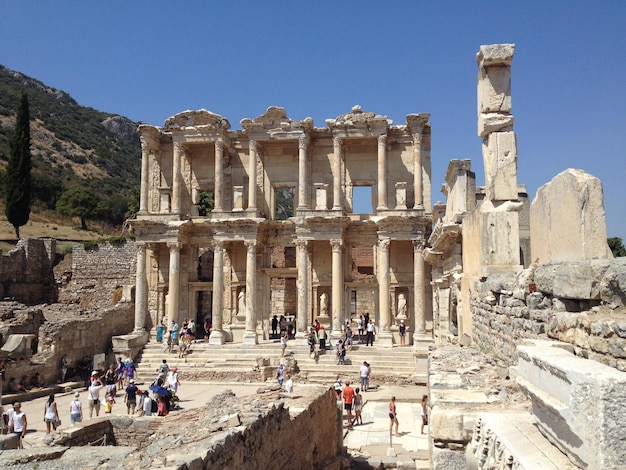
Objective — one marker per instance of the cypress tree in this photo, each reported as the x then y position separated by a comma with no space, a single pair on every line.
18,185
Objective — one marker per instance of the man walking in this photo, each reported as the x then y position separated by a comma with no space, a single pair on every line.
348,400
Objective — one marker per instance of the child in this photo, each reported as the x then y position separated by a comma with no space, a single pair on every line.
162,410
110,401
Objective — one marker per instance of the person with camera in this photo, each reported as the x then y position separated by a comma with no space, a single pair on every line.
94,394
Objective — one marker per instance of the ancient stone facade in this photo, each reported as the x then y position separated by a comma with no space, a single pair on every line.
284,229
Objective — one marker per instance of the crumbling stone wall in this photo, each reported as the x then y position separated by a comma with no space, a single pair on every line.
581,303
100,272
26,272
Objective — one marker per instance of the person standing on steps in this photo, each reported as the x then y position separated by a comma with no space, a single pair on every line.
393,415
371,331
402,333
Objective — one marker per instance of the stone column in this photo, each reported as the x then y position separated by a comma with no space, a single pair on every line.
177,178
173,284
252,176
384,337
141,288
217,335
337,288
382,172
219,175
145,185
249,335
417,170
303,189
419,333
303,288
337,175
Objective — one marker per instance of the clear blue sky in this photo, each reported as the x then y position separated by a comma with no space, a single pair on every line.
148,60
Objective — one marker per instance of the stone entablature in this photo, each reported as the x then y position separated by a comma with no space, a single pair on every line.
283,183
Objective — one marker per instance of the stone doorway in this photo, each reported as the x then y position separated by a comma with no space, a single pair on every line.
204,311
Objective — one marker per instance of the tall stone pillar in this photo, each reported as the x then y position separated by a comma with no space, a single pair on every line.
145,185
177,178
416,123
337,287
382,172
337,157
249,335
252,176
217,334
173,284
219,175
303,288
417,171
141,288
303,189
384,338
419,333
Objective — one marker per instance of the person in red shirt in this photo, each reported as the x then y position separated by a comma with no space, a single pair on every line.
348,400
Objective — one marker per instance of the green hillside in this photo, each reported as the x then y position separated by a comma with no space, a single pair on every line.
72,145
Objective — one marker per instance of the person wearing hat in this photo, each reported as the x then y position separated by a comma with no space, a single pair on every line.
131,397
76,409
402,333
94,394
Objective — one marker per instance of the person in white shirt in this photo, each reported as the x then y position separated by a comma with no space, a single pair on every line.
18,422
76,409
363,374
289,384
94,397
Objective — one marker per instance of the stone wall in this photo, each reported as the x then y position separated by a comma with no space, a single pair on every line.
26,272
99,273
580,303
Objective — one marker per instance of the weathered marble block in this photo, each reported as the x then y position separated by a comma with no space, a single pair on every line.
579,404
500,161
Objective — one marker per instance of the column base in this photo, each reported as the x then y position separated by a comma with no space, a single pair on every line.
249,337
301,340
384,339
217,337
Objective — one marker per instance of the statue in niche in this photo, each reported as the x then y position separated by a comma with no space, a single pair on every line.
241,299
324,305
401,305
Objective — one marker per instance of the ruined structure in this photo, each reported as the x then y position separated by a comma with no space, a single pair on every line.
284,237
535,288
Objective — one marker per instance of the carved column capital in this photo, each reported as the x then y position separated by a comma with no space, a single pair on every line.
336,245
382,139
384,243
173,246
303,142
337,141
302,244
219,145
252,144
250,244
418,245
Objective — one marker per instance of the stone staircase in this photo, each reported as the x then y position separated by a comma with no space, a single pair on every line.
239,362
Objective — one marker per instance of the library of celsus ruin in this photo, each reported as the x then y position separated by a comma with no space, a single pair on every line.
285,236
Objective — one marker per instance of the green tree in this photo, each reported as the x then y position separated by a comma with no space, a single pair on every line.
78,202
616,246
206,203
18,183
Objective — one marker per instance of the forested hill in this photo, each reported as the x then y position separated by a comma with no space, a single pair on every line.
72,145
